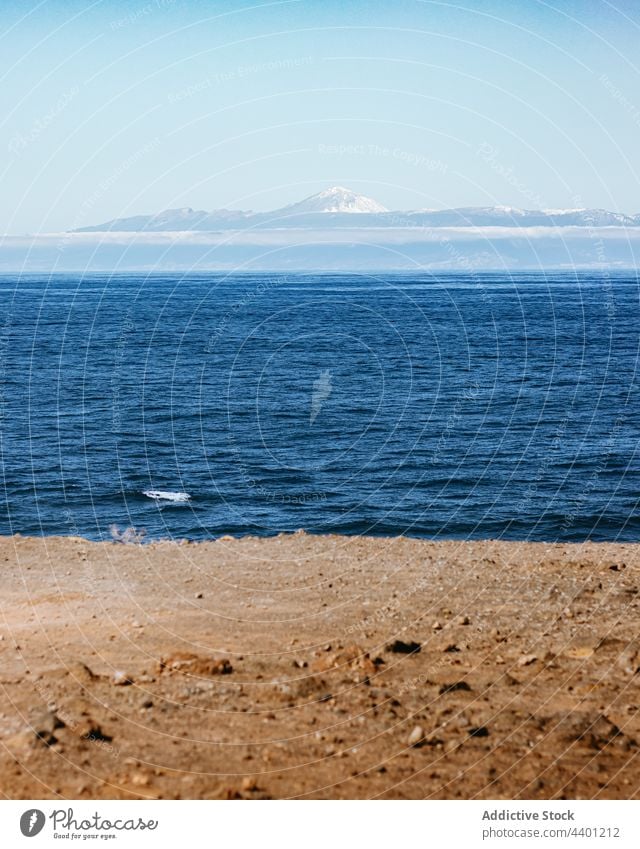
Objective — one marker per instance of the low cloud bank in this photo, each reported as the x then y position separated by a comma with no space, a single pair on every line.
448,248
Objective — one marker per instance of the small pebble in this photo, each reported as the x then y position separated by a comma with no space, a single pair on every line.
416,736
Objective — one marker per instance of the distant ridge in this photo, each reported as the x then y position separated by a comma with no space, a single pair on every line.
338,208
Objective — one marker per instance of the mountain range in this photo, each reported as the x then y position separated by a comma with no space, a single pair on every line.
340,208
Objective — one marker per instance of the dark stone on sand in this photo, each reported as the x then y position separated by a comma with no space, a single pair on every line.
402,647
451,688
479,731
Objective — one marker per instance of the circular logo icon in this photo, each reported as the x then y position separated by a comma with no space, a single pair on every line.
32,822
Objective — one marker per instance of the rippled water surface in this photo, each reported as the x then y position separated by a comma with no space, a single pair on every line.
435,406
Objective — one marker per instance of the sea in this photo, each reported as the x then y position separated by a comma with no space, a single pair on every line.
432,405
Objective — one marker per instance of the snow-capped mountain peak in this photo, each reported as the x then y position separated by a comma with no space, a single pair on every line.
310,213
336,199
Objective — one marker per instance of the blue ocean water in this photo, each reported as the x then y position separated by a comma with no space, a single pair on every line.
444,406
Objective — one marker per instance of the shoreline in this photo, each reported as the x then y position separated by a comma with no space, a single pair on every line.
319,666
144,541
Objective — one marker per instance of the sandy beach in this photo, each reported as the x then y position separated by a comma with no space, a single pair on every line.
319,667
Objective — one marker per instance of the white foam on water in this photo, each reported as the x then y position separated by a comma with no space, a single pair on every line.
165,495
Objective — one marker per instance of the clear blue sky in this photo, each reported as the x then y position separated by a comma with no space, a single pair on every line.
119,108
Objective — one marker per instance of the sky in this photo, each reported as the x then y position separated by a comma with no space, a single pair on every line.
114,108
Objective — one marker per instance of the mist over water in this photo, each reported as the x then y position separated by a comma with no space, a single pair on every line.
449,406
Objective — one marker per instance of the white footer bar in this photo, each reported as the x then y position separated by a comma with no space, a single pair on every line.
320,825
